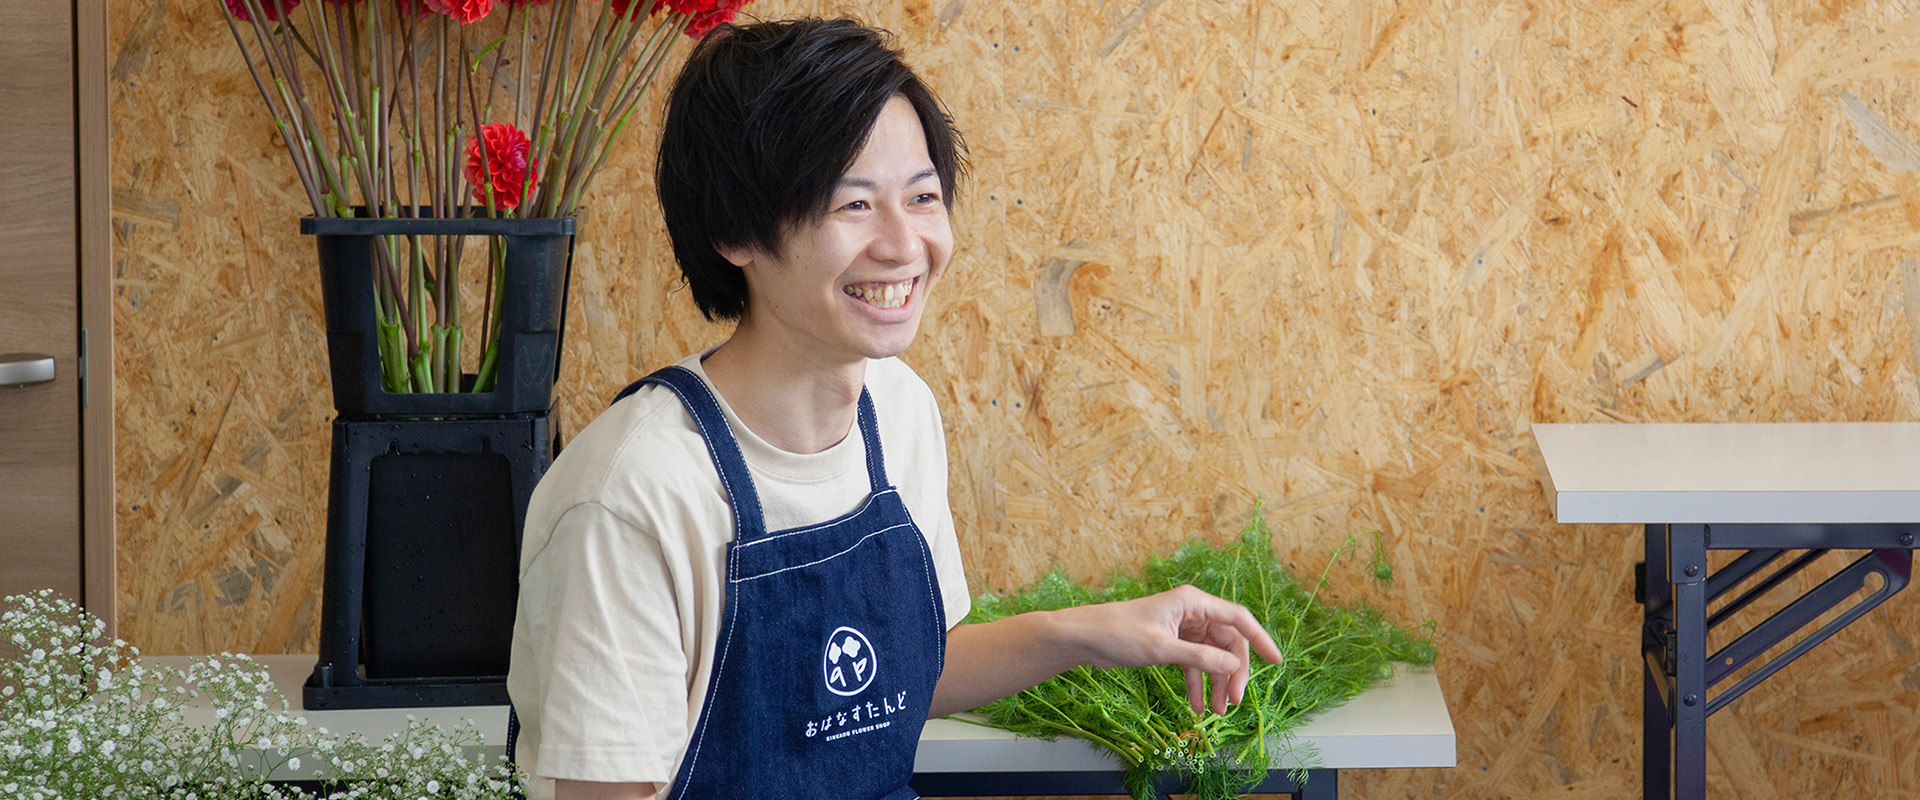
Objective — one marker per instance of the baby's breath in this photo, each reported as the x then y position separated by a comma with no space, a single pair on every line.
80,719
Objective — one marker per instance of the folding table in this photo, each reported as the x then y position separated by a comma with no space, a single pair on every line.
1781,495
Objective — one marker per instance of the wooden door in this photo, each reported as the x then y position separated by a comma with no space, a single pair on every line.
43,542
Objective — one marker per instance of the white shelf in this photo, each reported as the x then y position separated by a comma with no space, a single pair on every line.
1784,472
1403,722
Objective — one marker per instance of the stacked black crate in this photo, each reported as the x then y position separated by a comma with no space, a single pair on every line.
429,491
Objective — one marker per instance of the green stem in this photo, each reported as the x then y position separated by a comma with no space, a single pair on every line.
625,31
576,107
547,106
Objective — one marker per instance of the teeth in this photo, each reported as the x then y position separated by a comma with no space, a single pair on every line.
888,295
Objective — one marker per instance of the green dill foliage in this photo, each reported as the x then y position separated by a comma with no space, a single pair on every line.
1141,714
81,717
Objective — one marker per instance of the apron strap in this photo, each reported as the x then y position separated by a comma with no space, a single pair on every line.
748,523
870,431
705,408
515,791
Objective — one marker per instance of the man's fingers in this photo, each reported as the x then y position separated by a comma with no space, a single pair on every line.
1215,638
1214,611
1244,674
1201,661
1207,658
1242,620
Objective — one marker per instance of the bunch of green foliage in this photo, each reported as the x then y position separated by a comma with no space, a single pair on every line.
1331,653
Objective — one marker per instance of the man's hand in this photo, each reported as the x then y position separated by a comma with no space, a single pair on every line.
1203,634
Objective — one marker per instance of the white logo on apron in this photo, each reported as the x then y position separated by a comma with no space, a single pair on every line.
848,664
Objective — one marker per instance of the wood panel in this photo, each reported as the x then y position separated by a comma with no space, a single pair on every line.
39,314
1333,254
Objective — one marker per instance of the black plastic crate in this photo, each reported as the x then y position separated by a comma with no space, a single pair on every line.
423,549
538,258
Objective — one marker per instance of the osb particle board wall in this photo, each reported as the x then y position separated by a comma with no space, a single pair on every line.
1333,254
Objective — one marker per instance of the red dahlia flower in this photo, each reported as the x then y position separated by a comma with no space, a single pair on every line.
623,7
465,12
273,9
507,166
707,14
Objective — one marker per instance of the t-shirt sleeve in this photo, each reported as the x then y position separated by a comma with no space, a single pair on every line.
944,540
607,640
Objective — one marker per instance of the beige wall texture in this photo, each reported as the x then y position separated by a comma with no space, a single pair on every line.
1336,254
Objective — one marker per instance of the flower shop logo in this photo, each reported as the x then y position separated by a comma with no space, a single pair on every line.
848,663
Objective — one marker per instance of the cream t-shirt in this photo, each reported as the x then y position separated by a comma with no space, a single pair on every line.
623,558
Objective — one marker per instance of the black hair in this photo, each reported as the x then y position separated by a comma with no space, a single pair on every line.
762,122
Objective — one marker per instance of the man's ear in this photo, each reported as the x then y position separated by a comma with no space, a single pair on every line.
736,255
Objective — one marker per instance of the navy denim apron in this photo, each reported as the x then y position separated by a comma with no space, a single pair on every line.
834,637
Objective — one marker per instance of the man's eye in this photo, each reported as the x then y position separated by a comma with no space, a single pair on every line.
926,197
857,205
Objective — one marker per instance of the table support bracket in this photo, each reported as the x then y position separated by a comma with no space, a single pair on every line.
1895,568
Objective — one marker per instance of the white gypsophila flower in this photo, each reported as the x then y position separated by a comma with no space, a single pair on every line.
130,721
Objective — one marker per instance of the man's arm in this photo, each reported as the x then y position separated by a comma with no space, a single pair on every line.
1203,634
589,790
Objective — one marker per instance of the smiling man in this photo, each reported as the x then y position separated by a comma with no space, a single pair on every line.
743,579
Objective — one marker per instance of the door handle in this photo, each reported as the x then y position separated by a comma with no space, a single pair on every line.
22,369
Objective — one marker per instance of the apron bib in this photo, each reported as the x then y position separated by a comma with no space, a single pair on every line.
834,637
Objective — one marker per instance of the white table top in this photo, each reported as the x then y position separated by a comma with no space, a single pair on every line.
1781,472
1403,722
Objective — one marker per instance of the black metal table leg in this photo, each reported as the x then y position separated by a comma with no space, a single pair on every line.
1656,735
1687,569
1656,726
1322,784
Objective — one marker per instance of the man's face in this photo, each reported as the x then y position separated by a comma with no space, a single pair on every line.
852,285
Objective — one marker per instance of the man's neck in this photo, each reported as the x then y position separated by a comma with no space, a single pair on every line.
791,401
